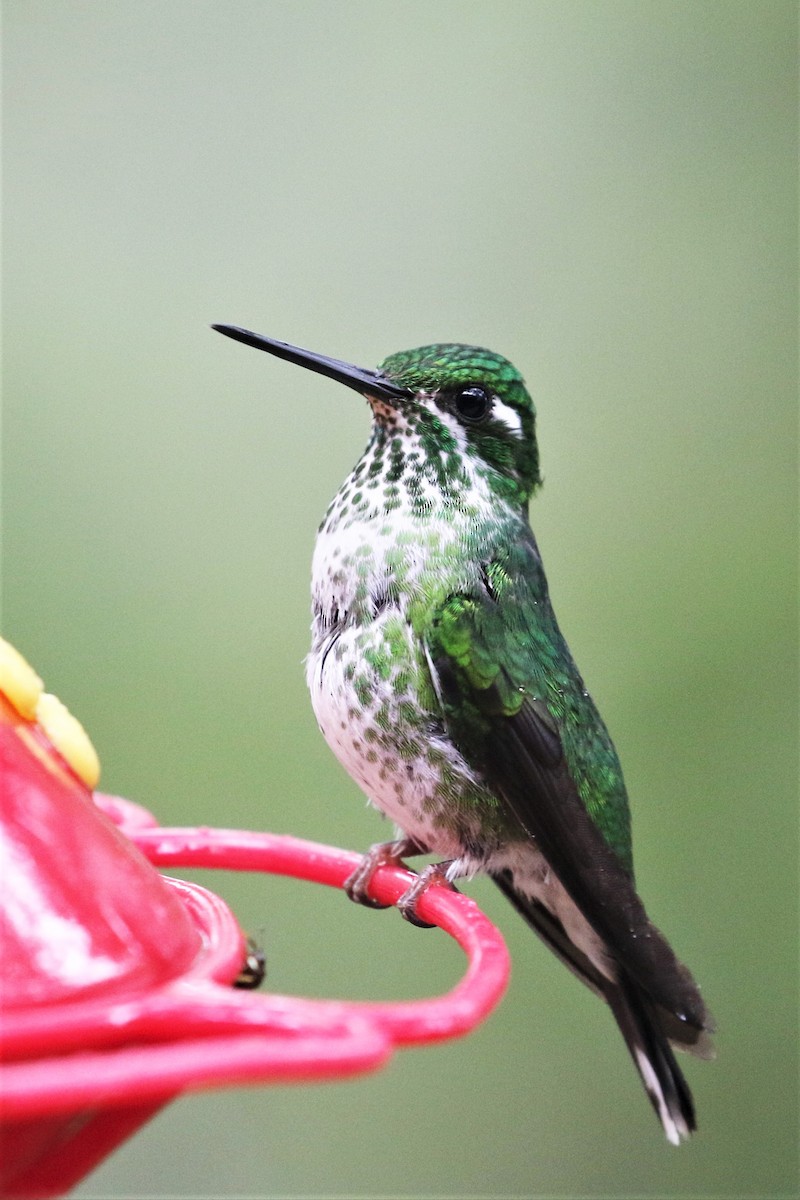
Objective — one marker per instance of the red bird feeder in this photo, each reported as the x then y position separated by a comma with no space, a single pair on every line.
117,981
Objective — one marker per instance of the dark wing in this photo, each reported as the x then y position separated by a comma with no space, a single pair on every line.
489,685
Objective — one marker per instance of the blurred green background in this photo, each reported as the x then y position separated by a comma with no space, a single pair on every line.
604,192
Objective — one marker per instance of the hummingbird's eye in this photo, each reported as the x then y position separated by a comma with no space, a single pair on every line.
473,404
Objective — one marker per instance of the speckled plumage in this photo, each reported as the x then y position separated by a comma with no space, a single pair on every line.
441,681
420,521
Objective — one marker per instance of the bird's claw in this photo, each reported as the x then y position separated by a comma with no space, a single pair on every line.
432,876
391,854
383,854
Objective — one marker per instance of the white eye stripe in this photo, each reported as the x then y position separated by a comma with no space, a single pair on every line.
503,413
507,416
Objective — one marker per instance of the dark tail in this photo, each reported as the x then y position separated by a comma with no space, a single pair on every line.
644,1026
652,1055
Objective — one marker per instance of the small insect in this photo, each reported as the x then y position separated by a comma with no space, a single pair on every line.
254,967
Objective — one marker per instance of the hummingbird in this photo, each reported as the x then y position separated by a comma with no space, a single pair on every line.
441,681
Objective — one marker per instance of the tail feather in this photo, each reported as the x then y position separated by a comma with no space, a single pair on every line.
662,1077
646,1027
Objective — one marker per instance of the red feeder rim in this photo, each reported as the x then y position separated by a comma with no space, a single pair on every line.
196,1032
117,980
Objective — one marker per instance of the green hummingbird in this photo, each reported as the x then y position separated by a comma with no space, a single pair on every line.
441,681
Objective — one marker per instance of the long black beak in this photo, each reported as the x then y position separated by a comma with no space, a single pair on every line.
368,383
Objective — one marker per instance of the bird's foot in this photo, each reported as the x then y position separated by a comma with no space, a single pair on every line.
383,854
434,875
